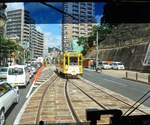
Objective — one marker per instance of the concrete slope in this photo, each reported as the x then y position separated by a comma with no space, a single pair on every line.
131,56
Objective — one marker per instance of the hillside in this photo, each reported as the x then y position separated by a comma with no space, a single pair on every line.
127,43
125,34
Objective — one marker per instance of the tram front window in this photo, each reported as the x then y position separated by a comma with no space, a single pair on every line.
73,61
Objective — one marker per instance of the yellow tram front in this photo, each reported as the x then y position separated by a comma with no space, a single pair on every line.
73,63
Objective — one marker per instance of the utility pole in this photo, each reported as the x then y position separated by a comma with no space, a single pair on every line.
97,49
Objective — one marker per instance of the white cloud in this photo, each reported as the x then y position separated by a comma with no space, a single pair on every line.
38,27
98,18
14,6
52,39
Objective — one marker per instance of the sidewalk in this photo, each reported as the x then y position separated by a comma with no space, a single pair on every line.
131,75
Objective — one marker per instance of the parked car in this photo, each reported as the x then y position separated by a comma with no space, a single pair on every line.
3,72
33,69
18,74
117,65
105,65
8,96
31,72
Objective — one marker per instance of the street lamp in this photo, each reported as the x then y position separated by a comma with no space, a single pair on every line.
97,51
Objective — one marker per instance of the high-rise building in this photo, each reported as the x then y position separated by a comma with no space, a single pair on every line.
36,42
80,25
21,26
18,24
45,51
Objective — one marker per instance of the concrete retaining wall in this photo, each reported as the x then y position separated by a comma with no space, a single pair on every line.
131,56
143,77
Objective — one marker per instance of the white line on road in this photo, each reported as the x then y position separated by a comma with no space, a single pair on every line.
29,92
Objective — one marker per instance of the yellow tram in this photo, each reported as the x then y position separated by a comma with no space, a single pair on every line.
70,63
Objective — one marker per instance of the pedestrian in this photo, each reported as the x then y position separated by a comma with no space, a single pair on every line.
94,64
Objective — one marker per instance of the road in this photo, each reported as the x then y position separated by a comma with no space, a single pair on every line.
14,110
130,89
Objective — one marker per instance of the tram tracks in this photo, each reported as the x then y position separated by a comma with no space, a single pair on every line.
80,101
123,103
65,101
42,98
74,114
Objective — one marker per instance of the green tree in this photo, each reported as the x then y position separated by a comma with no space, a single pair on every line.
84,42
10,48
87,42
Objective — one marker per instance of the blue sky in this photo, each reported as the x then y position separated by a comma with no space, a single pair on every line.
48,20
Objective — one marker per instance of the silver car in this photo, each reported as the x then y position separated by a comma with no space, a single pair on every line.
8,96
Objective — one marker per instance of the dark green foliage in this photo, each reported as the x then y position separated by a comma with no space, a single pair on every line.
52,49
9,48
88,42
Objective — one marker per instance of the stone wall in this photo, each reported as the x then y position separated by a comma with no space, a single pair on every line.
131,56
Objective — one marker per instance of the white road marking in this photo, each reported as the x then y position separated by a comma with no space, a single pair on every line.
29,92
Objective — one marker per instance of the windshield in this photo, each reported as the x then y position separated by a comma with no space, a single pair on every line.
3,69
119,63
73,61
15,71
105,63
81,55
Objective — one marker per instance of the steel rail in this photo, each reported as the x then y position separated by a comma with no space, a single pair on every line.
74,114
42,98
116,98
102,106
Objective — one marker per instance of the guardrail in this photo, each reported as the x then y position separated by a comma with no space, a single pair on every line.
142,77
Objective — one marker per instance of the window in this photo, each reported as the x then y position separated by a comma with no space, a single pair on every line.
73,61
15,71
66,60
80,60
3,69
4,88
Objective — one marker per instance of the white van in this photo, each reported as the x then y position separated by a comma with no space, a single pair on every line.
18,74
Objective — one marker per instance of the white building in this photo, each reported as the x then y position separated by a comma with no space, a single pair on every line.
21,25
81,25
45,50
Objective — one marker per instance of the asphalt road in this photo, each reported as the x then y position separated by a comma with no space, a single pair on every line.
14,110
130,89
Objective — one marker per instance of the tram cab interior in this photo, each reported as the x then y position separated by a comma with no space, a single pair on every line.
72,64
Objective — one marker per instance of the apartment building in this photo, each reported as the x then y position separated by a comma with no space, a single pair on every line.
18,24
36,45
22,26
80,25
